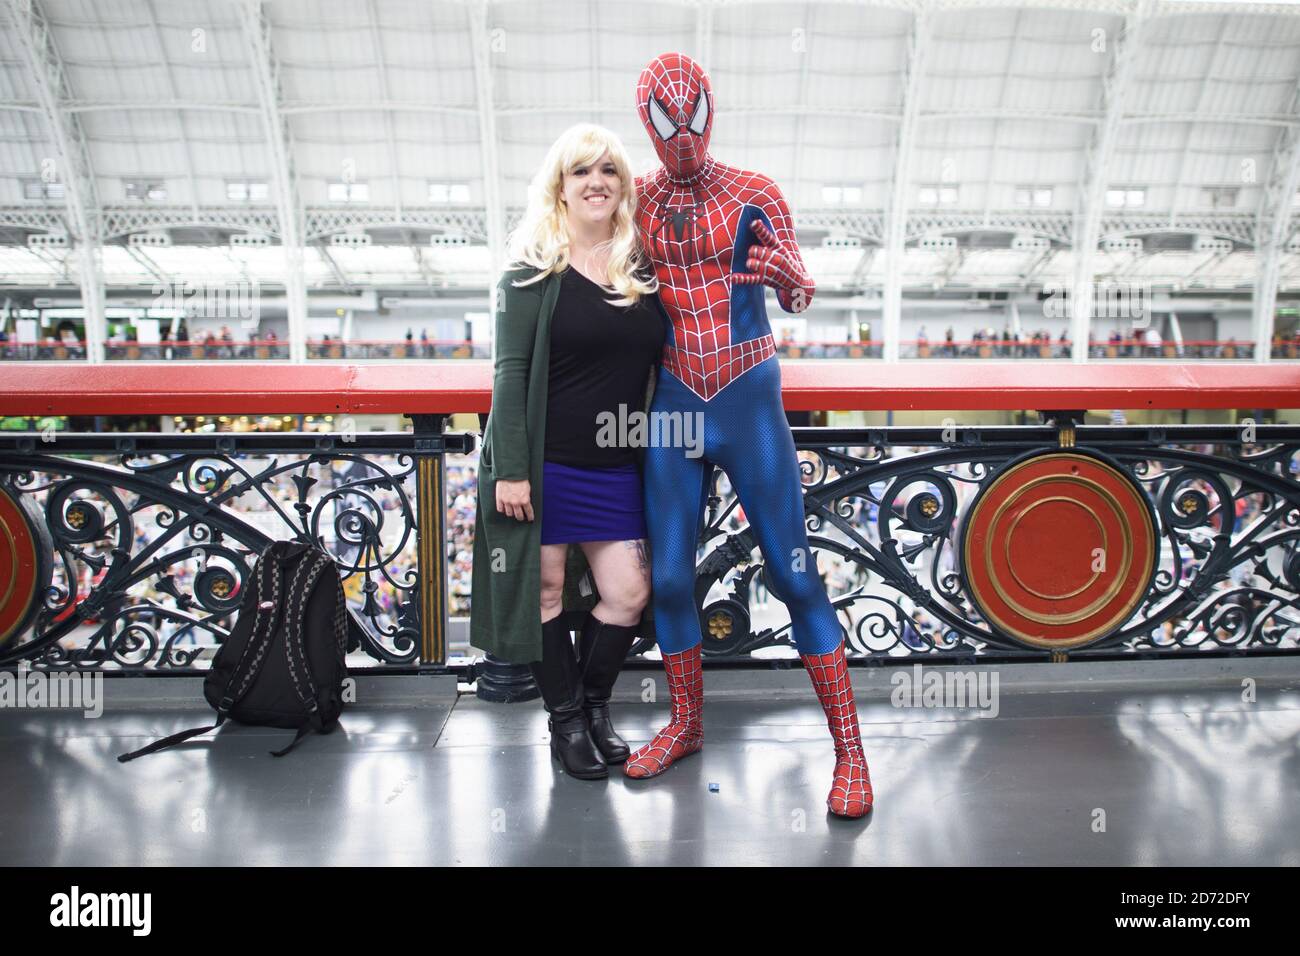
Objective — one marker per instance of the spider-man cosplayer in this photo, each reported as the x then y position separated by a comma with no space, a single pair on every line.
717,235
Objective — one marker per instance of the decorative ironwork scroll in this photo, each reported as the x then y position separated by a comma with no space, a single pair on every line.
152,554
1026,541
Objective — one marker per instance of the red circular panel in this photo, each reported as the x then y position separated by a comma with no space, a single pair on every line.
24,564
1058,550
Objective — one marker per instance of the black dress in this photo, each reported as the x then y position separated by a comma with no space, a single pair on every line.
601,355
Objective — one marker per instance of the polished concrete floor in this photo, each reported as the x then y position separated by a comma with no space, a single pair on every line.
1149,764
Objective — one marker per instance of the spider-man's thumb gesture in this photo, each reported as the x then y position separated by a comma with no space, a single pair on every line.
775,263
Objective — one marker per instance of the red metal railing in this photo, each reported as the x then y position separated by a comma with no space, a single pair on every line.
466,386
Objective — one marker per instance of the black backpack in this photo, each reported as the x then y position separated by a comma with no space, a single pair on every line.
283,664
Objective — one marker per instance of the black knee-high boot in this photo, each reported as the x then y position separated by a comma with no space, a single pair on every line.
602,648
560,680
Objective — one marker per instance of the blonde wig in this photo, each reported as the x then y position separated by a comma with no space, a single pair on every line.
541,239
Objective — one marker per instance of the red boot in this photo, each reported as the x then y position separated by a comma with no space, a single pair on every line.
850,794
685,731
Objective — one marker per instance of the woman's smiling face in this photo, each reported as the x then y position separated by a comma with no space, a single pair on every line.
592,191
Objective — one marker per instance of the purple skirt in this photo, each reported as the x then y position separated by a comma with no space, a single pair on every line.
591,504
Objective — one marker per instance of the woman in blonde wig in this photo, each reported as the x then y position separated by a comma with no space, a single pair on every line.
579,333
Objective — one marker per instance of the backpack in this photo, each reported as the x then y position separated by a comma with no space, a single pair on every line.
283,664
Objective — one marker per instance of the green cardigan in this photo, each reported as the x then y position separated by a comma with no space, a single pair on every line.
505,603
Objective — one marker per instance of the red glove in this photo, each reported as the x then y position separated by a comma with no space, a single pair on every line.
773,263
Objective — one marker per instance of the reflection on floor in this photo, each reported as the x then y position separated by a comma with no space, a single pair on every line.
1151,763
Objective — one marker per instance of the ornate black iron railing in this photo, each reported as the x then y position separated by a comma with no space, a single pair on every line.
937,543
145,558
970,525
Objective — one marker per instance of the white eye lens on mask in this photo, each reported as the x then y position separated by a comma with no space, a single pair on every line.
665,127
701,117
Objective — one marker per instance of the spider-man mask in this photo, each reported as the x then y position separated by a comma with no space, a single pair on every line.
675,101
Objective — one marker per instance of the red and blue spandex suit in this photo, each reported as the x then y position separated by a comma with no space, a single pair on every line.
717,235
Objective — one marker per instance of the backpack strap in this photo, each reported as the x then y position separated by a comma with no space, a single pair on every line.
313,723
171,741
341,624
295,650
305,578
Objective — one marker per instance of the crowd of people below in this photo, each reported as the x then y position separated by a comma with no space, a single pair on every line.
220,343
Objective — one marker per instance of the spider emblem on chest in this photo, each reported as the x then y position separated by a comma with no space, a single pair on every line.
678,233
